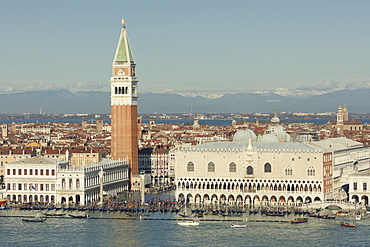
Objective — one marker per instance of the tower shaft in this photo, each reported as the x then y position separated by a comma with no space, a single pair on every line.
124,125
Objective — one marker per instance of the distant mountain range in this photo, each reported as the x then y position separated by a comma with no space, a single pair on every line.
64,101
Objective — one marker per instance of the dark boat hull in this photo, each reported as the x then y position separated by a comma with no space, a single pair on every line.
79,216
34,220
347,224
54,214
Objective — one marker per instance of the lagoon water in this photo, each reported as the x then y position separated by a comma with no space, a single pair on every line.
114,229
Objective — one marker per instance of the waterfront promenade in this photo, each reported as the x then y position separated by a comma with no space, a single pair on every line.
163,206
105,228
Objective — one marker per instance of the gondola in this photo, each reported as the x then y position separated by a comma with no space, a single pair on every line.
36,219
79,216
275,214
53,214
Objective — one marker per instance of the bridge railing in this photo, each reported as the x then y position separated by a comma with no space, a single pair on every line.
343,203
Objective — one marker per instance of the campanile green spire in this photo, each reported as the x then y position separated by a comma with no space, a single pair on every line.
123,52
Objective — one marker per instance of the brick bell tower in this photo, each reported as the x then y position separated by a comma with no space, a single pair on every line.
124,142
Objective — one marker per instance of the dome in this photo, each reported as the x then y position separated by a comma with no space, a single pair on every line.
281,134
275,119
267,138
244,135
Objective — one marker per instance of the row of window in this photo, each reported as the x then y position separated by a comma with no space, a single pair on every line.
30,172
70,183
308,159
121,90
211,167
364,186
249,170
30,187
124,90
2,157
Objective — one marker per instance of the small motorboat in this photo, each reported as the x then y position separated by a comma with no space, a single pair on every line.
358,217
341,212
299,220
327,217
36,219
188,223
238,226
348,224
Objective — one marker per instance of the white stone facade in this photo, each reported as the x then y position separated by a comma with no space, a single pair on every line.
359,190
41,179
32,179
254,173
82,184
278,173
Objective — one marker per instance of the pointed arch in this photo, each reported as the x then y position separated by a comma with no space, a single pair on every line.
267,168
288,171
211,167
190,167
249,170
232,167
281,199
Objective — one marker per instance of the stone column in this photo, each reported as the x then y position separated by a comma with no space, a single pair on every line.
101,176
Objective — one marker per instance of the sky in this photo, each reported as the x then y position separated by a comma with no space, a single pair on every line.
184,46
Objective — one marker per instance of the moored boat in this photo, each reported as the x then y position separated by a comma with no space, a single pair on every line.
341,213
138,215
238,226
36,219
53,214
79,216
3,202
188,215
327,217
299,220
188,223
275,214
348,224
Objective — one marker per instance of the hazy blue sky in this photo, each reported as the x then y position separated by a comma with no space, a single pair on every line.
223,46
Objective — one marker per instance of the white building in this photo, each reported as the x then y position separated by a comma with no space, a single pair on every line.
41,179
359,190
266,170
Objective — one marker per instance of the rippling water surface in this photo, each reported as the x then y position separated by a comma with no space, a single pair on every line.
111,229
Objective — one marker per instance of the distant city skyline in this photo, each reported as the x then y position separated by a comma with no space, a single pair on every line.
208,46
